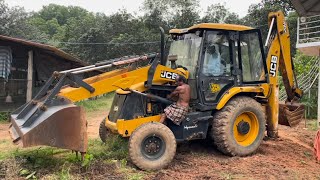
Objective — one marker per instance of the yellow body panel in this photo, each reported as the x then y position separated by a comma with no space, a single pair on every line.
262,89
116,79
273,100
105,83
233,27
126,127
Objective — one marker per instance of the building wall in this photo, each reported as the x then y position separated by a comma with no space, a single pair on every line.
44,64
15,85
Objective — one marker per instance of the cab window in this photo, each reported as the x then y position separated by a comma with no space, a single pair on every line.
251,57
217,55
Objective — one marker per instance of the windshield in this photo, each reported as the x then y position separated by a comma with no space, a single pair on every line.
187,48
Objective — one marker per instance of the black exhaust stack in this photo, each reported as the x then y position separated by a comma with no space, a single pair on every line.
162,60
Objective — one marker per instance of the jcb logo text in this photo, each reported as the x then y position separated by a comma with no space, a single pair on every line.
168,75
273,66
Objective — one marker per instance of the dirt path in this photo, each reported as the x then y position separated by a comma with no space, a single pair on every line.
94,120
286,133
4,131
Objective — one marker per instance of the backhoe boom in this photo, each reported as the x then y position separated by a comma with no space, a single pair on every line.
279,58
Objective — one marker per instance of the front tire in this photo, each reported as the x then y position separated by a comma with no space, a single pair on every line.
239,127
152,146
104,132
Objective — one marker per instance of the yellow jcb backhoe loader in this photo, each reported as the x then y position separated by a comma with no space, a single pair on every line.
234,95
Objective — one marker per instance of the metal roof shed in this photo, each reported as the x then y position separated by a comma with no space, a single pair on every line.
24,68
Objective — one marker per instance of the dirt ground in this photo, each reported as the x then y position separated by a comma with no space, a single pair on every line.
4,134
289,157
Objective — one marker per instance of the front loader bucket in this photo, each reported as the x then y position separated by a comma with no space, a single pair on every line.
52,119
290,114
61,125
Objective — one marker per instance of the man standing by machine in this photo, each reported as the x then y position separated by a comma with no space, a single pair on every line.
177,111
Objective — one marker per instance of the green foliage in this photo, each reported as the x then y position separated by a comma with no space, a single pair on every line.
88,158
258,17
62,163
136,176
303,65
218,13
312,125
4,116
98,103
116,147
73,28
64,174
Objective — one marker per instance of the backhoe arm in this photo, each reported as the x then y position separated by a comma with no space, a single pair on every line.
279,55
279,58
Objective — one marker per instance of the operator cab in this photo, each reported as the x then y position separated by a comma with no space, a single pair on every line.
218,57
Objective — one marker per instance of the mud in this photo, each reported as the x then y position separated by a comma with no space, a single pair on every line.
288,157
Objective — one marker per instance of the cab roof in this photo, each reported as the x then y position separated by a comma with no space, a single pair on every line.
232,27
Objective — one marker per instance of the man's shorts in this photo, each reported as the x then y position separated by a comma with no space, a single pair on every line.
176,113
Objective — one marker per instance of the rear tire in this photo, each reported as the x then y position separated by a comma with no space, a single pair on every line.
238,128
104,132
152,146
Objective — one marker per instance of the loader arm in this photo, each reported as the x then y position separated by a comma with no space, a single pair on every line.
105,83
279,58
51,117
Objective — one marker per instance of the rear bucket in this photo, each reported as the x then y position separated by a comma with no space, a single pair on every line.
290,114
62,126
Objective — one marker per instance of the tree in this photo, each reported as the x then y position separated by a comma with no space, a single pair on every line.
172,14
61,13
186,14
258,17
14,22
218,13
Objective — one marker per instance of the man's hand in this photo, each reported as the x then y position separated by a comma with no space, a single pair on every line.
175,93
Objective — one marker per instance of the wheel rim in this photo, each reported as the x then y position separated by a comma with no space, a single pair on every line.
153,147
246,128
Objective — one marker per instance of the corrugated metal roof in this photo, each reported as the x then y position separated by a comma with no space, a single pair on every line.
46,48
307,7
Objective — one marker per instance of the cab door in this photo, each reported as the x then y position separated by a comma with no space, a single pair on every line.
215,73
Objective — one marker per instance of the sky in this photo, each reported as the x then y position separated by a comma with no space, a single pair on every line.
133,6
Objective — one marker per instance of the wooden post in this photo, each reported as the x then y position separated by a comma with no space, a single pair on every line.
30,76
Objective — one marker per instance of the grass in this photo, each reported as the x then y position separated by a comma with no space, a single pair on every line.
103,102
7,147
4,117
312,124
52,163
